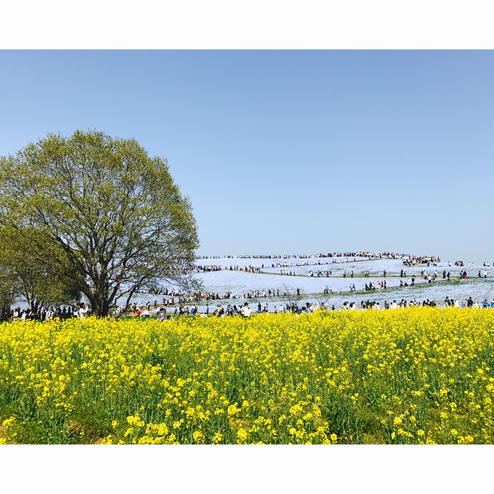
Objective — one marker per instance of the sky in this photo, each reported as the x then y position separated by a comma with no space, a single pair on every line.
285,152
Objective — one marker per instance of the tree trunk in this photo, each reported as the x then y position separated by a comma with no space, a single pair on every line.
4,312
99,305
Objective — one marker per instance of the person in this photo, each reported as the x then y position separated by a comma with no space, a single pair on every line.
161,314
246,312
83,310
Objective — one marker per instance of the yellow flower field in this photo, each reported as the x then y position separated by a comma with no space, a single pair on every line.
418,375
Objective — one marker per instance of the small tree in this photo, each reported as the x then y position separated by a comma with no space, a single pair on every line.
109,214
33,269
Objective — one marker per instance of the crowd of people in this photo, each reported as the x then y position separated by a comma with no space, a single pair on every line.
213,268
417,260
260,269
149,310
207,269
245,311
366,254
324,273
173,297
177,298
49,313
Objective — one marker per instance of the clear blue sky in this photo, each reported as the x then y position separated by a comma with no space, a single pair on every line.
291,151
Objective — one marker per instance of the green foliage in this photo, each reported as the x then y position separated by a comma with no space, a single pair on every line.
107,214
30,267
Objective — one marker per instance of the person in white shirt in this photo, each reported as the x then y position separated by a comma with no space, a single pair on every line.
246,312
83,310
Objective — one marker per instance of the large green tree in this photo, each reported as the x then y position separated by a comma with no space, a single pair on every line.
108,213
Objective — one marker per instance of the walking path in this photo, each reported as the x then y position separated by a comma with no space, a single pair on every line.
302,296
